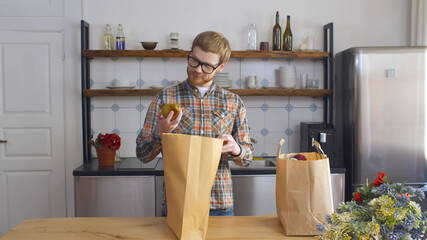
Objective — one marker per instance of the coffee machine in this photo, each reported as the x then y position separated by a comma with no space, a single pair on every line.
323,133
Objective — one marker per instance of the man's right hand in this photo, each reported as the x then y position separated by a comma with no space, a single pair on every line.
165,125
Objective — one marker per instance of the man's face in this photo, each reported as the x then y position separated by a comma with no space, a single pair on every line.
196,75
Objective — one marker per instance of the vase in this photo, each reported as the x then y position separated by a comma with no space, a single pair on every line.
106,156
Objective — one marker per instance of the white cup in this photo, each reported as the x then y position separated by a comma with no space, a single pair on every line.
120,83
313,83
252,82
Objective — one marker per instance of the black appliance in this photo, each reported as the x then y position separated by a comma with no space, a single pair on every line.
324,133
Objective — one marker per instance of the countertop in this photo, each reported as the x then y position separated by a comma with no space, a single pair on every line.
133,167
247,227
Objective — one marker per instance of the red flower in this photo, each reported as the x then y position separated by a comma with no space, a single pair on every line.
379,179
358,197
108,141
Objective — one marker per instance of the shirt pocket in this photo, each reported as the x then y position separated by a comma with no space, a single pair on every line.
185,126
222,122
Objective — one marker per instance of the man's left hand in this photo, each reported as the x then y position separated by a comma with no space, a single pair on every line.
230,145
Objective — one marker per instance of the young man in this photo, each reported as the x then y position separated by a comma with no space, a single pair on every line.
206,110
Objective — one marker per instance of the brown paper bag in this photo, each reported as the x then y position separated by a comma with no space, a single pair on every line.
190,165
303,191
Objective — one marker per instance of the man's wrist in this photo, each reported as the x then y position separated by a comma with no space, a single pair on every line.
240,151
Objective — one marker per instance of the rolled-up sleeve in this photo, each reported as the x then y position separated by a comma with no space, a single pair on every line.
241,134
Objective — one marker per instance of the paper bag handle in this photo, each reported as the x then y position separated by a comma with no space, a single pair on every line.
316,145
280,146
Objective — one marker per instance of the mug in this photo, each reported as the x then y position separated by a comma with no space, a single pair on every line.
252,82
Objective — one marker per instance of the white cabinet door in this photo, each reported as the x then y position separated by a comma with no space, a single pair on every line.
32,161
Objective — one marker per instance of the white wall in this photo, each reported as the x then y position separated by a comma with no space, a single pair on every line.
357,23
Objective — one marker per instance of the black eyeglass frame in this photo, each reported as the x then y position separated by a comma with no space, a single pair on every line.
201,64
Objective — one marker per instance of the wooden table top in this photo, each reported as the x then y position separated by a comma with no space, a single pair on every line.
246,227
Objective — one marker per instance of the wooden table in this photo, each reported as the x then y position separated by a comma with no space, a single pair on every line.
251,227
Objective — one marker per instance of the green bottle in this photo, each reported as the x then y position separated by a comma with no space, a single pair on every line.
277,34
287,36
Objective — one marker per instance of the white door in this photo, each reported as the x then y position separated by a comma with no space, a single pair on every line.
32,158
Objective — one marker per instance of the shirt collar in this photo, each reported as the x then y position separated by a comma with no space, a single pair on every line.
195,91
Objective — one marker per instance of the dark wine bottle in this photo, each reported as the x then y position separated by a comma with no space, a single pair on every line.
277,34
287,36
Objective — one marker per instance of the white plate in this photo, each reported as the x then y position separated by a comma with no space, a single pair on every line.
120,87
157,87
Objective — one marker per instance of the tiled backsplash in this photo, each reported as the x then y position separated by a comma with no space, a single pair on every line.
270,117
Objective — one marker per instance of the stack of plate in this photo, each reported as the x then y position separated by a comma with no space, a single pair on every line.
221,79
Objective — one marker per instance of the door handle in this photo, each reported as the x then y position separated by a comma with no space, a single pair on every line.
3,141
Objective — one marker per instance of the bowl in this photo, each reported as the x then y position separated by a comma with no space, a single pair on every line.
121,83
149,45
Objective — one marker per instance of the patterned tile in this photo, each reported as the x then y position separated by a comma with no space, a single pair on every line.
270,117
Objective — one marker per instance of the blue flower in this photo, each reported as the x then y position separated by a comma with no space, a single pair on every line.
401,200
329,218
419,194
416,233
384,189
409,221
320,227
400,231
392,236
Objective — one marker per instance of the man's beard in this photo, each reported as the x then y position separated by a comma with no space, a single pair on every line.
199,79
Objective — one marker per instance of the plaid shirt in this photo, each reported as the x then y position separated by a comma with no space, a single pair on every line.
218,112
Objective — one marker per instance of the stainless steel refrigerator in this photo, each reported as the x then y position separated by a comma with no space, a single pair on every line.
380,101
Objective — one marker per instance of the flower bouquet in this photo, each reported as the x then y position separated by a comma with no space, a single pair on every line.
106,146
379,210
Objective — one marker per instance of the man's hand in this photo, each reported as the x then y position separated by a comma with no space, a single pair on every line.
230,145
165,125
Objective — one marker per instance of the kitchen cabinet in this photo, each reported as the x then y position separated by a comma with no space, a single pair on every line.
255,194
87,93
115,196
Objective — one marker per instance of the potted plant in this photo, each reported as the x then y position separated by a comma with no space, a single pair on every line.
106,146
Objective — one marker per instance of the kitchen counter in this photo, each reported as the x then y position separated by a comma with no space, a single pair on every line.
253,227
134,167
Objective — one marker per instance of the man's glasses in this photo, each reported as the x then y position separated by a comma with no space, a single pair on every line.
206,68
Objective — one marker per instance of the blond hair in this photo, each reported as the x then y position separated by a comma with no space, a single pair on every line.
213,42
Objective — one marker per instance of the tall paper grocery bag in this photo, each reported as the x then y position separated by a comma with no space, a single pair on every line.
303,191
190,165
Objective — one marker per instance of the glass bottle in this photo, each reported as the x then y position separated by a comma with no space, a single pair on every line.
287,36
252,37
277,34
120,39
108,38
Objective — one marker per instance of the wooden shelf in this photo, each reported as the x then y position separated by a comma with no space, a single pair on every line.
241,92
184,53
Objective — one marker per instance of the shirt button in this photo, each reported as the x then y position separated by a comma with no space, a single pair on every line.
203,115
201,131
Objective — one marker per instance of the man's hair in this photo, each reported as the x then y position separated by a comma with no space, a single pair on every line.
213,42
